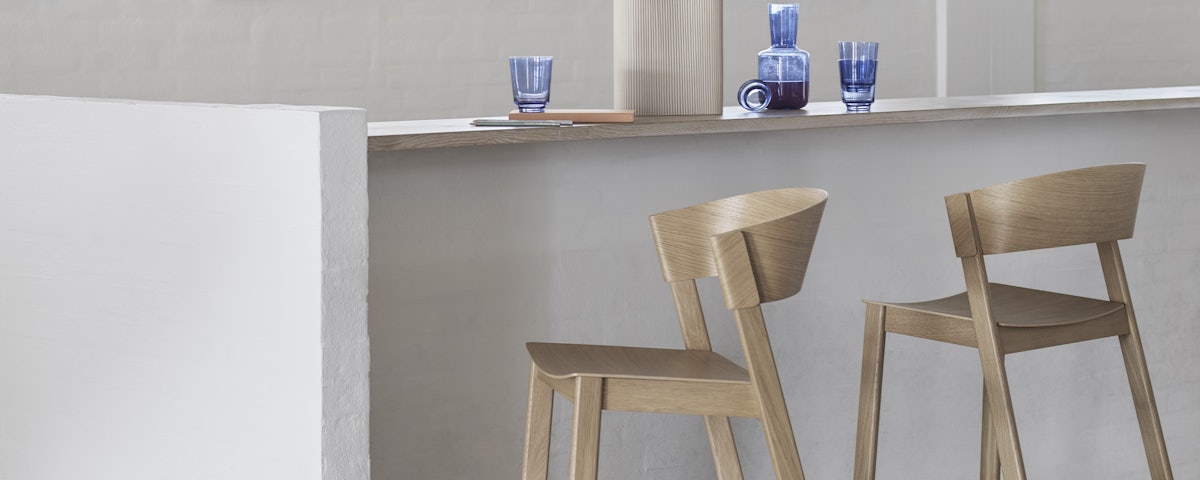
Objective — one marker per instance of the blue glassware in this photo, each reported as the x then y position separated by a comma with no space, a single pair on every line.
856,64
754,95
783,67
530,82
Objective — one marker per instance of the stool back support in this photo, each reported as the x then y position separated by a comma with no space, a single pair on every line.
760,242
1075,207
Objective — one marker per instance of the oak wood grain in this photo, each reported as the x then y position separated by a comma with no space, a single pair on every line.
1017,340
564,360
724,448
777,424
733,263
537,428
683,236
689,398
1135,365
995,374
1018,307
695,337
691,315
1096,205
762,242
870,389
1087,205
989,456
585,429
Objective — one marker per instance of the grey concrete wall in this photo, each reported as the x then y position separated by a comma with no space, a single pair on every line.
398,59
477,250
416,59
1105,44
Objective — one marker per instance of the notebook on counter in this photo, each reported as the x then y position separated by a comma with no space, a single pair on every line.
576,115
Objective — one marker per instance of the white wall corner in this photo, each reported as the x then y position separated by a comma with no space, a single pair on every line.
184,288
345,382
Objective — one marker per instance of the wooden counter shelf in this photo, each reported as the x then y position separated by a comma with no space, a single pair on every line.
445,133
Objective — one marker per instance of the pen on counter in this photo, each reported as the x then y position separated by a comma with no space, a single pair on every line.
501,122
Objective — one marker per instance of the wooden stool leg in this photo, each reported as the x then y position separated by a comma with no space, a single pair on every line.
1135,365
585,431
780,440
1003,420
869,394
537,427
724,450
989,456
1144,404
760,362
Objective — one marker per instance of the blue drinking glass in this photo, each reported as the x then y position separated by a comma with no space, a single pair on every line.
530,82
857,63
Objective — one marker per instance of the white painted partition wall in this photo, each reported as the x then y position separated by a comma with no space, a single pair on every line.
182,291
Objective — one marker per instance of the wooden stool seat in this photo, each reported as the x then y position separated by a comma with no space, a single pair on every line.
1019,307
562,361
1028,319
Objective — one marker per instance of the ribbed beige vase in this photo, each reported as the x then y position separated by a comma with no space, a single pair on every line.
667,56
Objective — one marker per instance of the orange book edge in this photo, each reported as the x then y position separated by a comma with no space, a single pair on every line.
576,115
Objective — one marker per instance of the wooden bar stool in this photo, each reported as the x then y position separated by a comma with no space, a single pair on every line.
1090,205
758,245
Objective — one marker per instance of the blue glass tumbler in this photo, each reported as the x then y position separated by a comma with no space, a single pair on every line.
857,63
530,82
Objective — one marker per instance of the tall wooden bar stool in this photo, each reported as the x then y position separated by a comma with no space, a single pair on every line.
1090,205
758,245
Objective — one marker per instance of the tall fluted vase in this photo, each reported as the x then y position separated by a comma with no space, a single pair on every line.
667,56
